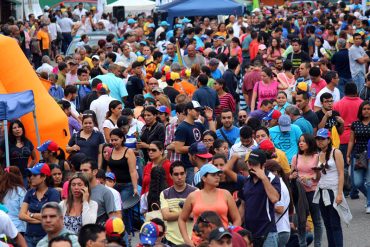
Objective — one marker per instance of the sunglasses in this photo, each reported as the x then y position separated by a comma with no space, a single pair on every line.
243,116
152,150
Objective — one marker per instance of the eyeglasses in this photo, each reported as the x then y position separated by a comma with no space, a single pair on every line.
152,150
201,219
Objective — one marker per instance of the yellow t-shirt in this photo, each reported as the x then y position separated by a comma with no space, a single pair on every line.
282,160
45,40
88,60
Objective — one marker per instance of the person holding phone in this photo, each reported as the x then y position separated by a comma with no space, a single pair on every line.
78,210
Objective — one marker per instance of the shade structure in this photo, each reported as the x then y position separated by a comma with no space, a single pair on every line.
132,6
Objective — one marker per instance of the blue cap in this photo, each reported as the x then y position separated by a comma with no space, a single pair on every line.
131,21
151,25
164,109
285,123
110,175
208,168
149,233
143,42
200,150
185,20
219,38
164,23
178,26
273,114
40,168
323,133
315,19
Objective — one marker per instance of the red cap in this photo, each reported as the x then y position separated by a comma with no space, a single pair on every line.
266,145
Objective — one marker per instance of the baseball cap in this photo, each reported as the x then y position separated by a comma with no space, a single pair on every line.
214,62
284,123
114,227
193,105
273,114
257,157
149,233
164,109
110,175
266,145
157,89
185,20
131,21
151,25
219,38
261,47
40,168
303,86
143,42
208,168
164,23
72,62
219,233
323,133
102,88
200,150
95,57
48,145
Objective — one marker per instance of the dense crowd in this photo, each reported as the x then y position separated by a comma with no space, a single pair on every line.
243,131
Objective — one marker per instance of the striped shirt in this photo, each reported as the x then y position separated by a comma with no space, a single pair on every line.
226,101
170,137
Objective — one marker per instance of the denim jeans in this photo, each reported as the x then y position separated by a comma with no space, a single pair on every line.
32,240
316,219
283,238
67,39
189,175
353,192
271,240
359,80
342,83
126,190
332,222
361,180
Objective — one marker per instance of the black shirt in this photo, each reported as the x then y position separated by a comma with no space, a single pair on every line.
311,117
86,101
340,60
171,93
134,86
331,121
298,58
155,133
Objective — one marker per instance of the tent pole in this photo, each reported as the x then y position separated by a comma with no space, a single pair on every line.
37,130
5,122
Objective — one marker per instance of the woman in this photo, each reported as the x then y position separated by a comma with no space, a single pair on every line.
274,51
164,115
208,138
221,30
282,102
12,194
57,175
157,158
122,163
319,50
287,77
114,112
150,200
139,106
58,59
331,37
49,152
281,207
20,149
152,130
78,210
357,146
225,98
235,50
41,193
106,153
87,140
221,147
266,89
203,200
330,187
302,169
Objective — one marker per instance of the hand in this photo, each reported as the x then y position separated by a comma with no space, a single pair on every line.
348,158
294,175
339,119
208,112
339,198
259,172
76,147
85,194
135,192
329,113
141,145
189,242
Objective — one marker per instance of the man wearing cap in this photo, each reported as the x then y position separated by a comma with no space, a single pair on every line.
220,237
190,131
296,118
115,230
219,45
265,108
193,58
213,66
272,118
198,156
261,190
285,136
163,26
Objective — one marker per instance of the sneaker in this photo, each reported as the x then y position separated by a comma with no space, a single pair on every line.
368,210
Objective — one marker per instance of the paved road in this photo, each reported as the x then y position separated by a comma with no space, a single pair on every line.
357,234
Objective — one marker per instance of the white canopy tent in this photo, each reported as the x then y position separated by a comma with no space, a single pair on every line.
132,6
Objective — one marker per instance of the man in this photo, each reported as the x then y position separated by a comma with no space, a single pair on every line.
172,200
101,105
44,39
70,95
90,97
45,67
246,143
318,83
135,84
171,55
53,224
128,57
163,26
193,58
340,60
327,116
92,235
204,95
84,57
296,118
97,68
152,66
190,131
332,81
80,11
302,102
8,228
297,57
245,48
115,85
347,109
228,131
213,66
250,78
63,70
304,74
66,25
261,190
60,241
285,136
242,118
99,192
198,156
219,45
55,90
265,108
230,77
170,133
271,119
71,77
357,61
220,237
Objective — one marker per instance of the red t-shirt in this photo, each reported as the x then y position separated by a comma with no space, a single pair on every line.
146,175
315,89
253,49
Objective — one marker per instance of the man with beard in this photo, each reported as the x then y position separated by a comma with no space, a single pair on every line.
228,131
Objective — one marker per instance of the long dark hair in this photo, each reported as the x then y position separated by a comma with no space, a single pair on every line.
359,113
11,178
12,138
104,162
70,198
311,143
157,185
112,105
278,46
222,82
119,133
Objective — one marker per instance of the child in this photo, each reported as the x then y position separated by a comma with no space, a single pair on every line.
55,90
73,124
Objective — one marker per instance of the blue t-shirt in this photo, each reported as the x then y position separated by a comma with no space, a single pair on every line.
206,96
231,134
115,84
216,74
188,133
34,206
286,141
89,146
304,125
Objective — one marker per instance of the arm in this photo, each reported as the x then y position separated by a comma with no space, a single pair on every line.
33,159
340,128
351,143
339,163
363,59
279,209
100,157
19,239
180,147
166,213
253,102
271,192
323,121
184,216
233,210
106,134
131,158
89,212
282,85
228,168
23,215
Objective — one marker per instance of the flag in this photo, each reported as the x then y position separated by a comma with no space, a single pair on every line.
256,4
179,57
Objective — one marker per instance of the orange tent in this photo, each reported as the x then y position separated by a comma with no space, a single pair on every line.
17,75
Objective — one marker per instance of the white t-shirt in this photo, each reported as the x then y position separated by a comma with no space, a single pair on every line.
117,199
100,106
7,227
283,225
335,93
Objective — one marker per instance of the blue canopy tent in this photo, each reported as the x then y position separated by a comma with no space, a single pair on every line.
13,106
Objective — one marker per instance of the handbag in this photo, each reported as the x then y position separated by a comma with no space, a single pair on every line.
155,213
362,161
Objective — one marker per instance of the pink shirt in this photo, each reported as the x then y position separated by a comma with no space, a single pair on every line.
265,91
347,108
315,89
305,173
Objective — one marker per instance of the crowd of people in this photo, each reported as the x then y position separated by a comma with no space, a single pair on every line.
247,131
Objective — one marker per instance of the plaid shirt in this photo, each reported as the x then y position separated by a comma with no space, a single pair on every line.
170,137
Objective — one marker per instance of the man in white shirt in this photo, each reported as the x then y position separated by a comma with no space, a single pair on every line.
8,228
128,57
101,105
246,143
332,80
66,25
80,11
45,67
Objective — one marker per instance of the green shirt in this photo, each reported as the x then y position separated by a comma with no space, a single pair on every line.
44,242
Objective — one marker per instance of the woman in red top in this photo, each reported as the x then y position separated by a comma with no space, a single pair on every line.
226,99
157,158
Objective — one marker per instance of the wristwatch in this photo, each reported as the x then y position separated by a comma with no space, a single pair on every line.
31,215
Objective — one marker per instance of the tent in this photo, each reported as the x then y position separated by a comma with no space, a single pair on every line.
201,8
13,106
132,6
